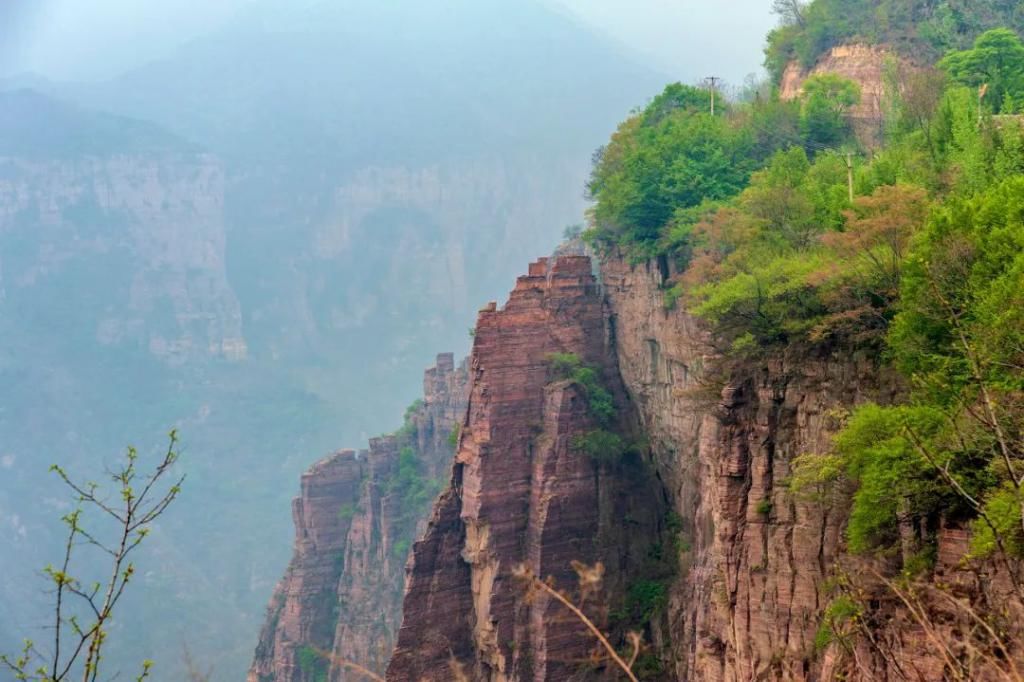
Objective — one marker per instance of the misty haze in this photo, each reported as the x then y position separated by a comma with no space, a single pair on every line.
511,340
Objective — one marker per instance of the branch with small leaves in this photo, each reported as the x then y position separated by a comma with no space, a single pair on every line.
83,610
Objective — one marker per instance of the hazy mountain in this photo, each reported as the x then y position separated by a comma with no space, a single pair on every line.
357,179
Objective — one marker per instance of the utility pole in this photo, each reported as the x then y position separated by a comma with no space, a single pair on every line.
982,91
713,81
849,173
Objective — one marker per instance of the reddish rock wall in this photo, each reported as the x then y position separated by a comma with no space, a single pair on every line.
749,600
343,590
522,493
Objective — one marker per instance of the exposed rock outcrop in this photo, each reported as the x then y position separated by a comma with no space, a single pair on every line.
355,519
753,587
524,492
145,231
863,64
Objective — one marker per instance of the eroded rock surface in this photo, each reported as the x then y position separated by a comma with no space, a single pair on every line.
354,520
523,492
749,600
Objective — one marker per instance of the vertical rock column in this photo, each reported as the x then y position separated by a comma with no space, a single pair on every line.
342,592
521,493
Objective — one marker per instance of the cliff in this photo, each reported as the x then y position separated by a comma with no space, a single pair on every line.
726,572
748,602
523,491
144,232
355,518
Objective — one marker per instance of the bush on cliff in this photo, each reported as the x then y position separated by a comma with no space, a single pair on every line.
922,30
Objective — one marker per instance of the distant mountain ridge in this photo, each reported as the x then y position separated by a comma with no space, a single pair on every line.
263,242
36,124
309,82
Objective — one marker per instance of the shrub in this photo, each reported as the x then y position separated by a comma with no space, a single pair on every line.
645,599
602,446
312,664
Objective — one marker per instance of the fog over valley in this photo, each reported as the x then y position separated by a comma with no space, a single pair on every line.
257,223
511,340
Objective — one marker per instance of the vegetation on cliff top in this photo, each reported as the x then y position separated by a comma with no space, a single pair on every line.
922,30
914,251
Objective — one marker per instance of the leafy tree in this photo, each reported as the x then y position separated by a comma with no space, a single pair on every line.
995,64
790,11
955,451
827,101
923,31
861,285
669,156
676,97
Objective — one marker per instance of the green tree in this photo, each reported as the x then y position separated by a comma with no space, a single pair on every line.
955,450
672,155
827,101
995,64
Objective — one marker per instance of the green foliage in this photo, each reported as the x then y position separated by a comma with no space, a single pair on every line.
917,253
408,482
960,340
564,365
453,436
996,63
645,599
649,667
600,402
827,100
346,512
676,98
602,446
813,475
888,474
838,619
400,549
1001,525
312,665
413,408
671,155
923,30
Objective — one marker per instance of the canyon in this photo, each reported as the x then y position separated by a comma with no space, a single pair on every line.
253,240
701,544
695,505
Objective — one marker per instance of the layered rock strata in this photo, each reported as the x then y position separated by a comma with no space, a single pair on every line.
757,560
524,493
355,519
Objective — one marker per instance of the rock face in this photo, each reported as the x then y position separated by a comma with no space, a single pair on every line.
354,521
144,230
523,492
752,586
863,64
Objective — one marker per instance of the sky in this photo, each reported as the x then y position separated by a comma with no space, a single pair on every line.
96,39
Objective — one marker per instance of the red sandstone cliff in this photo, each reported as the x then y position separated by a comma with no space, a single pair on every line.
759,563
755,564
749,599
355,519
522,492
